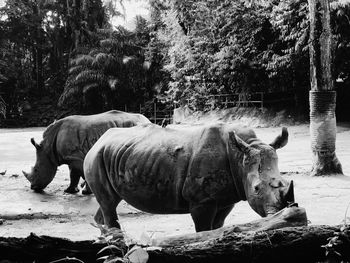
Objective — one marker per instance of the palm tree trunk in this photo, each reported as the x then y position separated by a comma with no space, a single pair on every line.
322,97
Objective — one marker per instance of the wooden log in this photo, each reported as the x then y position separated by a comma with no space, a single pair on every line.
292,244
46,249
283,237
288,217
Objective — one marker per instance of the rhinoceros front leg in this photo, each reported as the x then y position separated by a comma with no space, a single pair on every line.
75,175
221,215
203,215
99,217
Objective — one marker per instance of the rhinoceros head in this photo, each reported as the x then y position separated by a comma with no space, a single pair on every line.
266,191
44,169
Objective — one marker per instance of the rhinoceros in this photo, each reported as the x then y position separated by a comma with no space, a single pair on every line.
67,141
202,170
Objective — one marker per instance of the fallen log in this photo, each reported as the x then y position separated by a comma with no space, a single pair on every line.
46,249
288,217
292,244
284,237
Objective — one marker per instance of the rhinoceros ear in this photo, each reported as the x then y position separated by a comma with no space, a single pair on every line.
281,140
37,146
239,143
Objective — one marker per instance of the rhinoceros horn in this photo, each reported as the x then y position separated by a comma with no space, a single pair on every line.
37,146
27,175
241,145
288,195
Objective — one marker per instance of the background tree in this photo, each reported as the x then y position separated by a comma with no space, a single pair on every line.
111,73
188,51
213,47
37,39
322,95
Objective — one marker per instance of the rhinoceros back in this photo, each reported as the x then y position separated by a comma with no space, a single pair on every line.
78,133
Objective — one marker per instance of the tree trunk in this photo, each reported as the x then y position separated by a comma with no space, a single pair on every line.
38,46
39,68
322,95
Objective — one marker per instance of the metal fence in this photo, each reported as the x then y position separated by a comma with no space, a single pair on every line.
157,112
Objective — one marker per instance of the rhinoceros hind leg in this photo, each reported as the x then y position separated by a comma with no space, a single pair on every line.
109,211
71,190
203,215
108,200
74,180
221,215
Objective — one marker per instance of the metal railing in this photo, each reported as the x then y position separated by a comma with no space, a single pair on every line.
231,100
157,112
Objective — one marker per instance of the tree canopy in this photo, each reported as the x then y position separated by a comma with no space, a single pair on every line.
70,54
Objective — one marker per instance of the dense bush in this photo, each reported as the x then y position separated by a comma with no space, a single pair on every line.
218,47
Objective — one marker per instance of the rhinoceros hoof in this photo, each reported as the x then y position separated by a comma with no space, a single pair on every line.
86,192
71,190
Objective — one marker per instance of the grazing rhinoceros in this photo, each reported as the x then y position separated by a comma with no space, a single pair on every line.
201,170
67,141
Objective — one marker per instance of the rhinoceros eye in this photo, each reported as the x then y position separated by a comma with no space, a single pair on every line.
256,188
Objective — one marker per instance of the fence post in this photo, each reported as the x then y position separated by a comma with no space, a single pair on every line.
262,100
125,108
140,107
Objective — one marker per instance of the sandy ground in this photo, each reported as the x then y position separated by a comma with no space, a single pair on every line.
58,214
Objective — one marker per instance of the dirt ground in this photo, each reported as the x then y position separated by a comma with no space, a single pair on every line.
58,214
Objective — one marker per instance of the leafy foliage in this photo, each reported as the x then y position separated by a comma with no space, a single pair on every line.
37,39
2,107
288,58
115,71
341,31
226,47
214,47
187,52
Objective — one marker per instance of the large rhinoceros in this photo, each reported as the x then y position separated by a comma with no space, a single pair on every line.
67,141
202,170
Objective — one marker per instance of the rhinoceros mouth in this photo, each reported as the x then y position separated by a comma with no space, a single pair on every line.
271,211
36,189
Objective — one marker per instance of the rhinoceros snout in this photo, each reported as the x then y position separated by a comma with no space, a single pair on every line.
36,189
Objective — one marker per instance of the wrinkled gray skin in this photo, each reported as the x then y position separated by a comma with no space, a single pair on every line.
201,170
67,141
